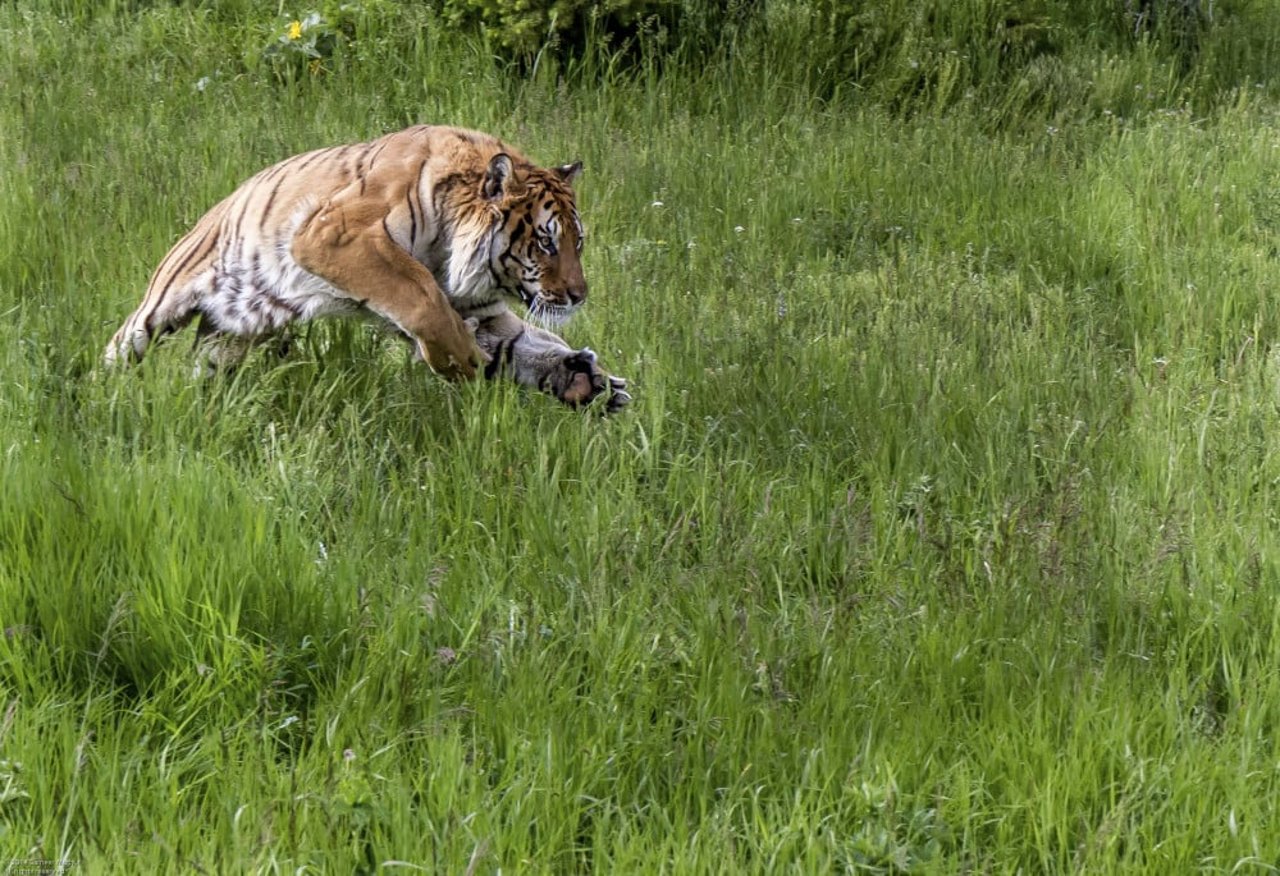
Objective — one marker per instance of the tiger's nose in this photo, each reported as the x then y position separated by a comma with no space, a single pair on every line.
576,294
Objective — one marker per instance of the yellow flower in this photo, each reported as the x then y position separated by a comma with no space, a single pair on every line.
295,30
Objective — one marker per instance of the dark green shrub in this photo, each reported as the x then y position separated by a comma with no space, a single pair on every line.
1019,57
912,52
520,28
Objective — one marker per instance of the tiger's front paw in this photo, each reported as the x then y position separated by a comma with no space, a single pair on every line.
454,352
578,380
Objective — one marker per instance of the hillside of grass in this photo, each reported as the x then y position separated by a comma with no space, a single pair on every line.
941,535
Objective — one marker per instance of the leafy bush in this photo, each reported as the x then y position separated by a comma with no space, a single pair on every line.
1015,56
522,27
911,48
300,45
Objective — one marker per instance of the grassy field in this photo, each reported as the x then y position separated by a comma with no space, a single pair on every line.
942,535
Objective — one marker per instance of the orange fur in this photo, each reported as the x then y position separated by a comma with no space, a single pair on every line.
421,228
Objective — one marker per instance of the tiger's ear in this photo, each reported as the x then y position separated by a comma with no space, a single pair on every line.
569,172
498,177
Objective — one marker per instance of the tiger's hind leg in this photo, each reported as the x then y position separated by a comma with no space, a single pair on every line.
183,277
147,324
218,350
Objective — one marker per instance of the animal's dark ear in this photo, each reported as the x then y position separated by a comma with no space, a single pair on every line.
498,177
569,172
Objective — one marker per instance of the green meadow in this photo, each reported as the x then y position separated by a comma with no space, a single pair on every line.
942,536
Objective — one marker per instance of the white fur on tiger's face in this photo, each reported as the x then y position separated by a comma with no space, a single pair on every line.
422,229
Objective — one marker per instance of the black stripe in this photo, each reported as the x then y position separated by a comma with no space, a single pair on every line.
288,306
235,230
374,156
362,172
359,171
439,191
413,219
414,211
271,199
495,364
273,171
309,160
181,250
258,180
196,252
449,180
443,186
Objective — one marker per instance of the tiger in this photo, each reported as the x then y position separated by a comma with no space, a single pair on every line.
432,231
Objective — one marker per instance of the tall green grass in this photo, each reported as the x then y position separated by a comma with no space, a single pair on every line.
940,536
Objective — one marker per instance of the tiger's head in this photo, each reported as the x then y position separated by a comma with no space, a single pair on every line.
536,248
